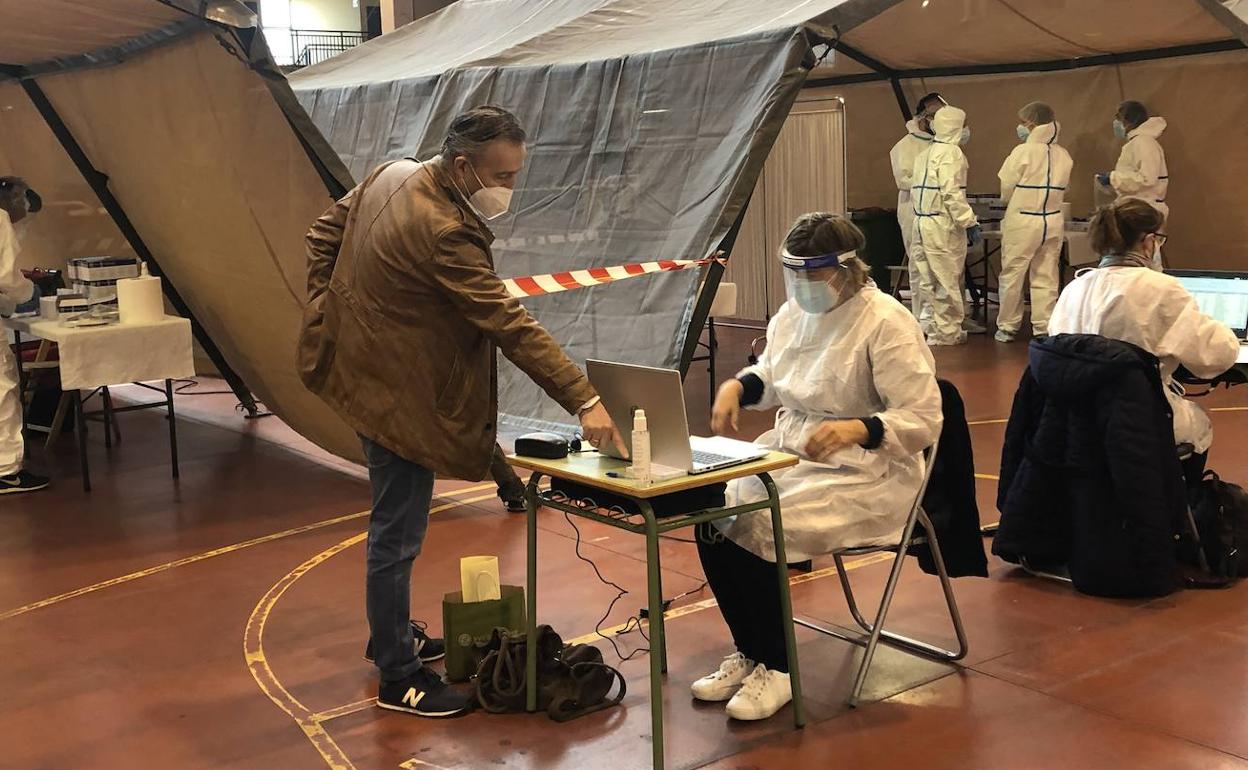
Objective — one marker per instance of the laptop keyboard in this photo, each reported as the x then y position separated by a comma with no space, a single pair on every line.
710,458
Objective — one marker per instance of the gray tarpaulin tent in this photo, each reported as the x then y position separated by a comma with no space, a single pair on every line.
144,120
649,123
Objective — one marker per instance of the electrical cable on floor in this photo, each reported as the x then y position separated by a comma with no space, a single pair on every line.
621,593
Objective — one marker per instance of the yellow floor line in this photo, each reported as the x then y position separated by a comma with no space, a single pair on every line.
672,614
987,476
1000,421
200,557
1229,409
262,672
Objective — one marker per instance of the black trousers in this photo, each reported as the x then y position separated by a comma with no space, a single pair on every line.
746,588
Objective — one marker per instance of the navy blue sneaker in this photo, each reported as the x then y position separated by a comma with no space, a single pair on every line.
428,649
425,695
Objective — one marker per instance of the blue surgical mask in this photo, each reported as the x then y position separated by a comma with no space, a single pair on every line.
1023,132
1120,130
814,297
966,135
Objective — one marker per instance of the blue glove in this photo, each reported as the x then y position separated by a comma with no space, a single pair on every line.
974,235
1103,178
31,305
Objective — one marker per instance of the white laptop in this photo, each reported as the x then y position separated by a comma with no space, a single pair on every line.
625,387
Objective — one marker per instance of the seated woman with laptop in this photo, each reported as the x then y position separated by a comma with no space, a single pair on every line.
856,386
1125,299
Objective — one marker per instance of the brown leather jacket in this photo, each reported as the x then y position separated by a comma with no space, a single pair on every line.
404,313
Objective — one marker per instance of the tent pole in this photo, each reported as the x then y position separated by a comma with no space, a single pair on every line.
706,295
901,97
99,184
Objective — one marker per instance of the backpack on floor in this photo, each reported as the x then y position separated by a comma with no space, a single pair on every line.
572,679
1220,510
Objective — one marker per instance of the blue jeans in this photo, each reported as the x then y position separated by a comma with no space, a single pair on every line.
402,493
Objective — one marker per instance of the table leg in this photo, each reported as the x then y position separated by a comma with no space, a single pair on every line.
21,376
658,642
786,602
107,401
173,429
80,427
530,504
655,566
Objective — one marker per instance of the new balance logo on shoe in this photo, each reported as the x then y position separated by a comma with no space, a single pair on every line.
413,697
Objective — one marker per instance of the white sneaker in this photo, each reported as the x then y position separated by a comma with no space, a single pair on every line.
934,342
762,694
721,685
1003,336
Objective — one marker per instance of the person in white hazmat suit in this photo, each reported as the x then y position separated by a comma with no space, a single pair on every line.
1125,300
1033,179
918,137
944,224
17,294
1141,171
856,387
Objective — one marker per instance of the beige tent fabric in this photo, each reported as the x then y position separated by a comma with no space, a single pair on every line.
72,223
967,32
1197,95
43,30
222,200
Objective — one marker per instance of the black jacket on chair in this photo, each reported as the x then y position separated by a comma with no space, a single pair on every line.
950,498
1089,473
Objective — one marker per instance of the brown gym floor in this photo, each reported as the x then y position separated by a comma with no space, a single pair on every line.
218,622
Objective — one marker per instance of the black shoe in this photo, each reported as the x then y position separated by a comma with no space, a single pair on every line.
515,505
423,694
428,649
23,481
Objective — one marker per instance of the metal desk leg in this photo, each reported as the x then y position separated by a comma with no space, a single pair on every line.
173,429
786,602
658,642
655,566
80,427
530,504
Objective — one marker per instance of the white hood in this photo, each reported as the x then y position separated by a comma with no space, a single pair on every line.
1045,134
1153,127
947,125
912,127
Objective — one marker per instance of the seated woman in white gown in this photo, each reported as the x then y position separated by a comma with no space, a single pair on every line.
1127,299
856,386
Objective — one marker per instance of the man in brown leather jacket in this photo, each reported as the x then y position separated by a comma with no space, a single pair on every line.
404,315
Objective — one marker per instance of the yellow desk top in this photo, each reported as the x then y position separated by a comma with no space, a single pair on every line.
591,468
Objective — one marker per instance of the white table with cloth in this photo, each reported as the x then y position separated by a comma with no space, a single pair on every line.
92,358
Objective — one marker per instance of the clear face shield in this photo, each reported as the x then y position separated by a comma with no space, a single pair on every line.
816,284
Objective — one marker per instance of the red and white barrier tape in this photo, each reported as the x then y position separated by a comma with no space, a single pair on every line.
552,283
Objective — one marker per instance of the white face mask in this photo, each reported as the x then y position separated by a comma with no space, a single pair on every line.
965,137
490,203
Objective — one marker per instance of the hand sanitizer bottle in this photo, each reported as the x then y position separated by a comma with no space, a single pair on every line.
641,447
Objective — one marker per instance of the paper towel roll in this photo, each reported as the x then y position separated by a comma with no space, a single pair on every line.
140,300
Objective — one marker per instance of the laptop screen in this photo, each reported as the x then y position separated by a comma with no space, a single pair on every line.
1221,296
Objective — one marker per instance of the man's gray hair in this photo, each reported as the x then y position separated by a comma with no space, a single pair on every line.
471,131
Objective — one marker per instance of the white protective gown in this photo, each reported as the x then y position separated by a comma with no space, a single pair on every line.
942,217
15,289
1153,311
1033,179
865,358
1141,171
902,157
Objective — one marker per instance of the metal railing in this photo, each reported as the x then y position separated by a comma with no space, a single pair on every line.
315,46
